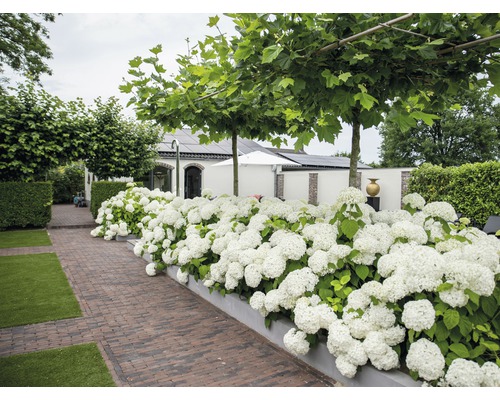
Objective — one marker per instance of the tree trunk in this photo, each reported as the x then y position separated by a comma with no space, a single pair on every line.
234,141
353,166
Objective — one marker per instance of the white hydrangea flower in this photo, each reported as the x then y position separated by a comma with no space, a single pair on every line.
381,355
410,268
250,239
207,192
464,373
351,195
307,319
151,269
373,288
257,302
414,200
152,248
418,315
138,249
295,342
182,277
410,231
194,216
298,282
130,208
390,217
466,275
96,232
168,257
275,263
394,335
258,222
440,209
292,246
273,300
345,367
491,374
357,299
252,274
342,345
426,359
338,252
318,263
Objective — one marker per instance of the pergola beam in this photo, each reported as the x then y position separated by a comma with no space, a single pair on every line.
342,42
468,45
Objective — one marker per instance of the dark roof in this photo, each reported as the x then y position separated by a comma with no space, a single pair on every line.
190,147
310,161
287,151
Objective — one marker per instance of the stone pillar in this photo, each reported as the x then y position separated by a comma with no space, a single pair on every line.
280,186
313,188
358,180
405,177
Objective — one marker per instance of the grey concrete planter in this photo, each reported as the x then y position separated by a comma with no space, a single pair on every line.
125,238
318,357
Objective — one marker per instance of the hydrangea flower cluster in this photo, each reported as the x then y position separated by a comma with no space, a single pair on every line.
279,251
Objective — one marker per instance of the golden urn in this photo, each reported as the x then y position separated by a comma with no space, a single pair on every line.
373,187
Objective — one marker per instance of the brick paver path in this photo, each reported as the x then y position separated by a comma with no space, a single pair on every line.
152,331
69,216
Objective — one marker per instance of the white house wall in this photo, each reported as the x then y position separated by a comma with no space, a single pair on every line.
253,179
296,185
331,183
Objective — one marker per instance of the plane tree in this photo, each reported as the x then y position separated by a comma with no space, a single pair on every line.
210,93
363,68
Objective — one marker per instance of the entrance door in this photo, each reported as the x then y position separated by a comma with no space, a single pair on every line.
192,185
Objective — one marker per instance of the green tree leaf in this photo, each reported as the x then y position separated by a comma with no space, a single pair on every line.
271,53
212,21
366,100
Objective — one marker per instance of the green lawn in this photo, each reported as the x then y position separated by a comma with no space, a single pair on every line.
73,366
24,238
33,289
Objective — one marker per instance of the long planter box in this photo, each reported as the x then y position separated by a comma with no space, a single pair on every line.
318,357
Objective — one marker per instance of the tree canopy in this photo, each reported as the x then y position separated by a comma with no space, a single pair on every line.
209,94
311,72
38,132
467,132
118,146
362,68
22,43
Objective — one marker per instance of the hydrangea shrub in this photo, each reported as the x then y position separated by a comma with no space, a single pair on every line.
410,288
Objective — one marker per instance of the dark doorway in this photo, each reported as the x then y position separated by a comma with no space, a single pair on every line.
159,178
162,179
192,182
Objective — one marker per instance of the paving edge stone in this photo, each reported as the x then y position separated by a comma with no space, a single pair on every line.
318,357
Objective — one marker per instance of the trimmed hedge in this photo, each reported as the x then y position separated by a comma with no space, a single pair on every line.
24,204
103,190
472,189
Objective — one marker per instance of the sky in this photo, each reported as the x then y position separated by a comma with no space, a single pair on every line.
92,44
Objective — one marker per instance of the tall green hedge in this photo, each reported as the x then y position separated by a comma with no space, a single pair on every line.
24,204
102,190
473,189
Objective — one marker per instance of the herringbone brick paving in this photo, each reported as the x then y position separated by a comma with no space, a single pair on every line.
152,331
